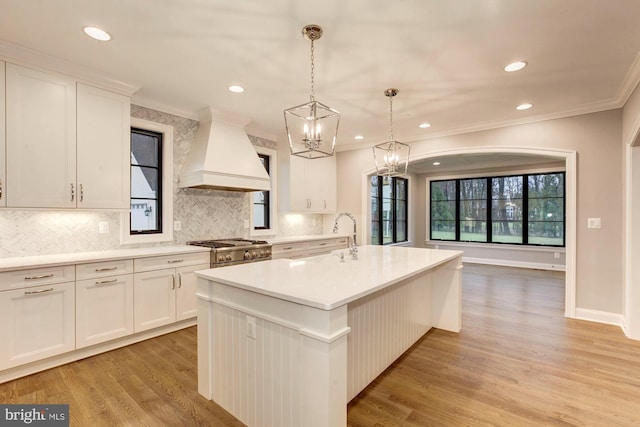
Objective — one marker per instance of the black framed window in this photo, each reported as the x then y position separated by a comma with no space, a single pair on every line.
146,182
389,210
261,203
526,209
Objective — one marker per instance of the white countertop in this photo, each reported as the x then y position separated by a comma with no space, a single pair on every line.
326,283
306,238
16,263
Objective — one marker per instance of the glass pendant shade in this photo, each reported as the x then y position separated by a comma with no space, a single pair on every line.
392,158
312,129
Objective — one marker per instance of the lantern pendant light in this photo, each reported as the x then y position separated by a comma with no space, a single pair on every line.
312,128
392,157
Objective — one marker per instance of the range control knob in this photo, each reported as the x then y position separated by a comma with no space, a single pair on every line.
254,254
268,252
229,257
221,258
261,254
247,255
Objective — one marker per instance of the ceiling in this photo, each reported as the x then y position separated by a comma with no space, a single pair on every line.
445,57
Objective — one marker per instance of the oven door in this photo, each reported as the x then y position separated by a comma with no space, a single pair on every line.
241,261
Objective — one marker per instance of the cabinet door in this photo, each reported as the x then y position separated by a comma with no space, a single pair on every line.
300,201
37,322
322,184
103,148
40,138
154,299
186,301
3,175
104,309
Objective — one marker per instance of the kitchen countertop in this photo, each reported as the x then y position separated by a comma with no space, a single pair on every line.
16,263
326,283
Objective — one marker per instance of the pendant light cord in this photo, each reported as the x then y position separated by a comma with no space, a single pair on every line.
391,118
312,94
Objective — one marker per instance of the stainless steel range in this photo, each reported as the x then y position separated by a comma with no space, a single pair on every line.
235,251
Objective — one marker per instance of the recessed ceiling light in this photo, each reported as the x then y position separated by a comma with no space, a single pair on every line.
236,89
358,137
424,125
524,106
436,163
515,66
97,33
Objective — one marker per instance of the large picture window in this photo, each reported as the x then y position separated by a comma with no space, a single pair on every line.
389,207
520,209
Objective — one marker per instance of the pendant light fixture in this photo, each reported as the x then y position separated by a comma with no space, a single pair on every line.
391,158
312,127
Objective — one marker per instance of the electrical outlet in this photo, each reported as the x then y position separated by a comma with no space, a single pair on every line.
251,327
556,255
593,223
246,223
177,225
103,227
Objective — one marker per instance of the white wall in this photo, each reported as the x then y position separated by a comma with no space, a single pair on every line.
596,140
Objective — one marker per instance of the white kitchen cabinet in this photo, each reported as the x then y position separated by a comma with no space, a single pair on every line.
67,144
103,148
37,322
40,138
3,175
104,301
309,186
165,295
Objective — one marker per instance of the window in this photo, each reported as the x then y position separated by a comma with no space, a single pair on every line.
150,218
389,207
146,183
521,209
261,203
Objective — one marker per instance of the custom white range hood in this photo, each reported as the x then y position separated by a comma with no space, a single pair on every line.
222,157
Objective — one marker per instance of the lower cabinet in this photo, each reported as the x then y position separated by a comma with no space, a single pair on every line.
165,295
37,322
104,309
307,248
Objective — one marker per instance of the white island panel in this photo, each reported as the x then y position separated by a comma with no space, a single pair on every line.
289,343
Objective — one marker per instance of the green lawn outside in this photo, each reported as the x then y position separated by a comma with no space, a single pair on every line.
479,237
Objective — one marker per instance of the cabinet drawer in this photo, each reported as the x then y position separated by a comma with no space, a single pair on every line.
170,261
286,248
103,269
36,277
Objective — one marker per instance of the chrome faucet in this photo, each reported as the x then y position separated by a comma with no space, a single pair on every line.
353,248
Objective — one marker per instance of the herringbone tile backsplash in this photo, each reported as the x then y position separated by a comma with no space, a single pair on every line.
204,214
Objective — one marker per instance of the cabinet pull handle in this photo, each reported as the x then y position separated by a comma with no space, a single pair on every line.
173,261
73,192
173,282
0,189
115,267
41,291
287,248
41,276
104,282
81,193
323,244
325,204
179,280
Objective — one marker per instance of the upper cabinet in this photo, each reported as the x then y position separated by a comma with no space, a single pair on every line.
103,153
41,139
3,175
307,185
67,144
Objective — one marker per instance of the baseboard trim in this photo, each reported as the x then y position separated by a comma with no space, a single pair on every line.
518,264
600,317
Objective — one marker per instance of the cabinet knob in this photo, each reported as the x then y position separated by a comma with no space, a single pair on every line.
73,192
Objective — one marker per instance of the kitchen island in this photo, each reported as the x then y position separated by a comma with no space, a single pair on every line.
291,342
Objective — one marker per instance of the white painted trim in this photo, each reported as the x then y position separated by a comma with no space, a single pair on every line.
600,317
509,263
167,188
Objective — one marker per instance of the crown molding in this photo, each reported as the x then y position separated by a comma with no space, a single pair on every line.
34,59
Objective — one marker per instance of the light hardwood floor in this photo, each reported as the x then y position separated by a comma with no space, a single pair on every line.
517,362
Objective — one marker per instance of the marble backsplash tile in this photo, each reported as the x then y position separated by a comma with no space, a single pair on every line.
204,214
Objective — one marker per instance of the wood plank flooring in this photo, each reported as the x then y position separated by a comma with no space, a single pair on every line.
517,362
